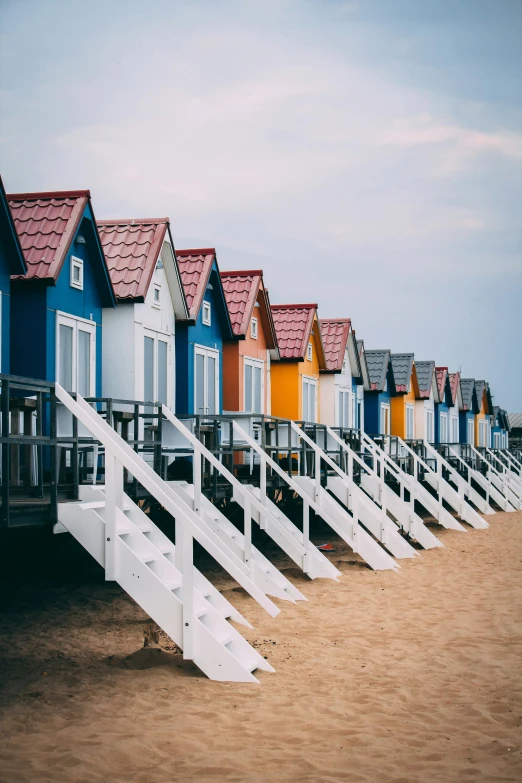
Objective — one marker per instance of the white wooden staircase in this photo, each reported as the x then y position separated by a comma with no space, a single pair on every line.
160,577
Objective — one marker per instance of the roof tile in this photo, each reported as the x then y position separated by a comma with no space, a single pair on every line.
293,324
334,332
195,267
402,364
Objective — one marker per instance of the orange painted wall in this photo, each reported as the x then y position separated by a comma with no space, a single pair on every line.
481,415
287,382
233,366
398,411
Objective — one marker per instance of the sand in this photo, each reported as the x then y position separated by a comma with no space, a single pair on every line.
410,676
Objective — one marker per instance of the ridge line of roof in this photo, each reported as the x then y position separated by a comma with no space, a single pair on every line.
241,273
197,251
294,306
131,221
48,194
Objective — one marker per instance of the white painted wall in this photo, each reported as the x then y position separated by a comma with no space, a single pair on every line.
327,399
330,385
421,406
124,329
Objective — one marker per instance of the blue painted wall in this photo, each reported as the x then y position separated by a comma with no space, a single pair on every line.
35,303
189,335
463,425
440,407
372,405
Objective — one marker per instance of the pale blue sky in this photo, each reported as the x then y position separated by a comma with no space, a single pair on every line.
366,154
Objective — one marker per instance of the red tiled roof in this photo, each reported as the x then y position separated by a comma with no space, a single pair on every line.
293,324
241,290
46,224
441,372
454,378
195,267
334,332
131,249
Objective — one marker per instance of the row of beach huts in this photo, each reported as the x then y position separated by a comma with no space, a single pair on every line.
138,377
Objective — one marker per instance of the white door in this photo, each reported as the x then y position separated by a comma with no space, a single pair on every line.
157,379
76,354
254,385
309,399
343,406
454,429
206,381
482,433
443,428
430,420
410,421
385,419
471,432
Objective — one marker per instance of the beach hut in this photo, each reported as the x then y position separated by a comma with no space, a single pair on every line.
484,414
200,338
377,398
454,407
469,409
342,375
403,398
247,360
362,387
442,407
295,376
427,396
500,428
139,335
56,308
12,262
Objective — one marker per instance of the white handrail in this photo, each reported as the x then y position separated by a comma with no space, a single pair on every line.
250,498
143,473
502,478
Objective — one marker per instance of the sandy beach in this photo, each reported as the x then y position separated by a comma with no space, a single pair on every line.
409,676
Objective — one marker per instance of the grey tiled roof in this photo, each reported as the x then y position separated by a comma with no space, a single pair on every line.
479,388
467,388
425,372
515,420
402,364
377,363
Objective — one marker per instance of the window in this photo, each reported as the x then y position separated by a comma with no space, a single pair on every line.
309,399
309,352
443,434
76,354
410,422
496,439
482,433
254,385
253,328
385,418
429,433
156,296
155,368
343,411
76,273
206,381
471,432
454,427
206,313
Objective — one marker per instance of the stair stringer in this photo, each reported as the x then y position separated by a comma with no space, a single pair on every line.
264,574
318,565
341,522
372,517
457,502
220,652
403,512
91,493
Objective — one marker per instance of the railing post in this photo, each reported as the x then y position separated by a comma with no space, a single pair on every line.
5,454
317,484
306,535
196,472
355,523
187,548
247,531
262,487
53,481
113,501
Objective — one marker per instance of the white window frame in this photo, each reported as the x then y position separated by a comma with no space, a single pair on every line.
309,352
77,263
343,390
253,328
482,433
429,425
156,302
73,321
206,317
454,429
470,431
311,382
158,337
443,425
410,431
259,363
202,350
385,408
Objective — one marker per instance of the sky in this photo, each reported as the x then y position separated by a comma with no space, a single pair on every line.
366,154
